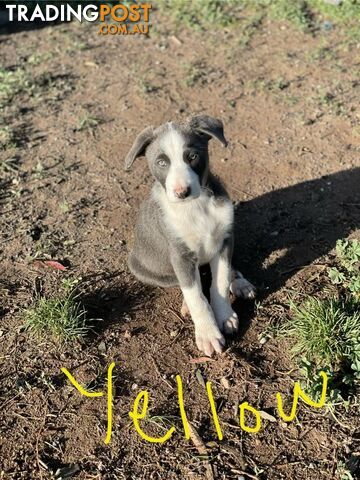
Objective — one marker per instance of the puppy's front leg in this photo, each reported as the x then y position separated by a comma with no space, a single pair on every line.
220,266
207,334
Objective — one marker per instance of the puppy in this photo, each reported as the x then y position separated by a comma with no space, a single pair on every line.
186,222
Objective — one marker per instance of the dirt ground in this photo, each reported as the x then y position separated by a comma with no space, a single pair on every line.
289,101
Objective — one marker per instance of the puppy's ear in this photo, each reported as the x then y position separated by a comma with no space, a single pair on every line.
138,149
209,126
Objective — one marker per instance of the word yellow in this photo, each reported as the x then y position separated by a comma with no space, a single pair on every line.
139,412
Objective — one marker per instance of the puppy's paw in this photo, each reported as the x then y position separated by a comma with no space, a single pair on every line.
209,339
240,287
226,319
230,324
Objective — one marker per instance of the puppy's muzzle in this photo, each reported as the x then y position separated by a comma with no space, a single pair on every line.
182,192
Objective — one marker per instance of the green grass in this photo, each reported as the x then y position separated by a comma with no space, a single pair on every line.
9,165
87,122
348,273
12,82
145,86
326,331
194,73
304,14
7,138
296,12
62,317
200,13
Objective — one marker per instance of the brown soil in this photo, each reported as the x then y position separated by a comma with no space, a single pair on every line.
291,114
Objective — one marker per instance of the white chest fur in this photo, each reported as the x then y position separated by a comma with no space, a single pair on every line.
202,224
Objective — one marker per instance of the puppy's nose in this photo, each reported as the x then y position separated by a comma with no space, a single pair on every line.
182,192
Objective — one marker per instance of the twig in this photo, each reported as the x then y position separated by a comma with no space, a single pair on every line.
200,446
176,315
160,374
241,472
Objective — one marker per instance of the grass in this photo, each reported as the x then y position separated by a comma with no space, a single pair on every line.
250,27
12,82
194,73
7,138
201,13
304,14
62,317
39,58
347,275
145,86
326,331
9,165
64,207
296,12
87,122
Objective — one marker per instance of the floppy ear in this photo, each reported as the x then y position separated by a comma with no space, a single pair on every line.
210,126
139,146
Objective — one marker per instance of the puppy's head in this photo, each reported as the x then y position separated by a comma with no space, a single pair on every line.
177,154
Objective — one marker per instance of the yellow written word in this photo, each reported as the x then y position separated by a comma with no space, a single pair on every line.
140,406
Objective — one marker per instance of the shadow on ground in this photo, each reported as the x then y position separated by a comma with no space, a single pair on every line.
282,231
109,300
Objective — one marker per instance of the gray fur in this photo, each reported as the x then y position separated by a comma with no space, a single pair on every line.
187,221
152,258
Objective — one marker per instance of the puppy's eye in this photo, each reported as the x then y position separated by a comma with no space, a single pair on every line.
193,157
162,163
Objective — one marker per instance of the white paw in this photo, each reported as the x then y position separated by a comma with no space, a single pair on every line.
209,339
226,318
240,287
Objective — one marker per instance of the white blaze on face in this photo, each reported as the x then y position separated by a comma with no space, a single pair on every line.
180,176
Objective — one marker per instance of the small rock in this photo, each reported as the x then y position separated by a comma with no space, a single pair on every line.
127,334
327,26
102,347
225,383
264,339
267,416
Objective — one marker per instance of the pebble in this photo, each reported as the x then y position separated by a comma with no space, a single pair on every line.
327,26
127,334
225,383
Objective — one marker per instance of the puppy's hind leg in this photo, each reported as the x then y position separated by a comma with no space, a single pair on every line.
240,287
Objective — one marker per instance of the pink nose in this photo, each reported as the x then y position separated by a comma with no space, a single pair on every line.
182,192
